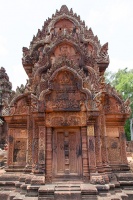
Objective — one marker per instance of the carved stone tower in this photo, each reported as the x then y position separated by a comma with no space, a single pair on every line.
5,91
69,124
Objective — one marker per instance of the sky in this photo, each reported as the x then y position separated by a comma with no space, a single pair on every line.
110,20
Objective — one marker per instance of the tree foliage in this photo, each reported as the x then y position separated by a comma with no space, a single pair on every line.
122,80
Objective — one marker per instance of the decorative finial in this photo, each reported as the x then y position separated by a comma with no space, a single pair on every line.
64,9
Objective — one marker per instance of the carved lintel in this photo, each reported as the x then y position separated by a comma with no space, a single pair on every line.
57,119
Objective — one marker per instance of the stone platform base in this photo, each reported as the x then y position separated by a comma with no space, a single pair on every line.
32,187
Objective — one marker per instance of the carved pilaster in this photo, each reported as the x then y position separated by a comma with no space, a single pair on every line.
49,155
98,145
35,148
30,140
91,148
41,153
85,154
10,147
104,140
123,145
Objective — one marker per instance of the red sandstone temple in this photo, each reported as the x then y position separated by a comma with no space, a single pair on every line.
69,124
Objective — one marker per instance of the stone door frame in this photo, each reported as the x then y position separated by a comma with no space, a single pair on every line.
49,154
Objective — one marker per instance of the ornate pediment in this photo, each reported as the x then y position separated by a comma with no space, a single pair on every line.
65,93
64,35
114,102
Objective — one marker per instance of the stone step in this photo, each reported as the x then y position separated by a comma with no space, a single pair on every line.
104,194
121,196
12,195
46,191
64,195
7,183
4,195
128,188
22,178
104,188
126,183
38,180
19,197
30,198
88,189
129,193
28,179
23,188
90,197
124,177
17,186
109,198
32,190
9,177
124,196
67,188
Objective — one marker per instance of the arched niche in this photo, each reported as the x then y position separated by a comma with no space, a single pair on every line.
65,92
64,23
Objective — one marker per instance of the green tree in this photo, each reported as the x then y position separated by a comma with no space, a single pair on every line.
122,80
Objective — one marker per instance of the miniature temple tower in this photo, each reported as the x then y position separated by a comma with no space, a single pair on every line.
68,124
5,91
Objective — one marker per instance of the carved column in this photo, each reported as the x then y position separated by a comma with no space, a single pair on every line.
41,152
98,145
91,148
49,155
85,154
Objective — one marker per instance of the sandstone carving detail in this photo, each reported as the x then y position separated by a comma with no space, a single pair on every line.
66,122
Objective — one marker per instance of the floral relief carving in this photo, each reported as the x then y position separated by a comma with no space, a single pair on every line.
66,119
114,149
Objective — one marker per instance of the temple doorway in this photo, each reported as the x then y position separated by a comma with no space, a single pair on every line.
67,154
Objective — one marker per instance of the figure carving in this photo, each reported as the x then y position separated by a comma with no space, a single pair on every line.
103,55
127,106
